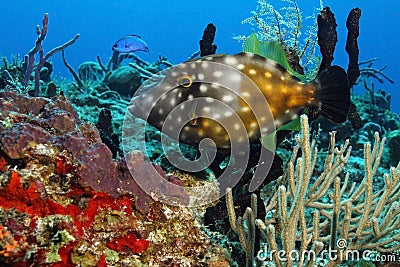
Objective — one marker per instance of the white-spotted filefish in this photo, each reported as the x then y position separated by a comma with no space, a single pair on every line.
215,97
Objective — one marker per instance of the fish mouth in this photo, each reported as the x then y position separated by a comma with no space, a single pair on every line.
134,108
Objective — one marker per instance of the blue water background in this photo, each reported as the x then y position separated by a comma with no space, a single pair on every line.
173,29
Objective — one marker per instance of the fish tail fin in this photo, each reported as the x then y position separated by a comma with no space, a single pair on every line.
333,93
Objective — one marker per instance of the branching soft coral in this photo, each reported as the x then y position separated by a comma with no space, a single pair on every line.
287,25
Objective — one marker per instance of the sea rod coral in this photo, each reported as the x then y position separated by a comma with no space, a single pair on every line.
302,221
29,60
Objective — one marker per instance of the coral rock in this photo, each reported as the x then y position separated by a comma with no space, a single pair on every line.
90,72
125,80
13,141
129,241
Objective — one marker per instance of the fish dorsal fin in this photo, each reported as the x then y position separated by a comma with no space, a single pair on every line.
135,35
127,37
272,50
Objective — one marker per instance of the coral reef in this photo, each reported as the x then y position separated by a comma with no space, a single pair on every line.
125,80
68,195
66,202
302,220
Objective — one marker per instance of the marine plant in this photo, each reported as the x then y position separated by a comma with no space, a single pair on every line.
301,220
287,26
11,74
29,59
368,74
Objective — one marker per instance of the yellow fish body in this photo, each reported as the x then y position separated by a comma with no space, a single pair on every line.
236,99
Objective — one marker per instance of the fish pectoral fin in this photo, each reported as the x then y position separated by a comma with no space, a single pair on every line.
269,141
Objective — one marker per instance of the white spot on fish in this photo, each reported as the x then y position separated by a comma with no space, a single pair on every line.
240,139
172,102
190,97
228,113
245,109
200,76
230,60
216,116
283,78
236,126
160,111
268,74
250,55
294,116
174,74
245,94
287,111
193,65
210,99
182,106
179,119
235,78
227,98
218,74
240,66
264,130
204,64
200,132
215,85
218,129
207,109
149,102
203,88
180,94
253,124
252,72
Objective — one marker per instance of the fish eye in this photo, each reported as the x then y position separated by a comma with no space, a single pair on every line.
185,81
